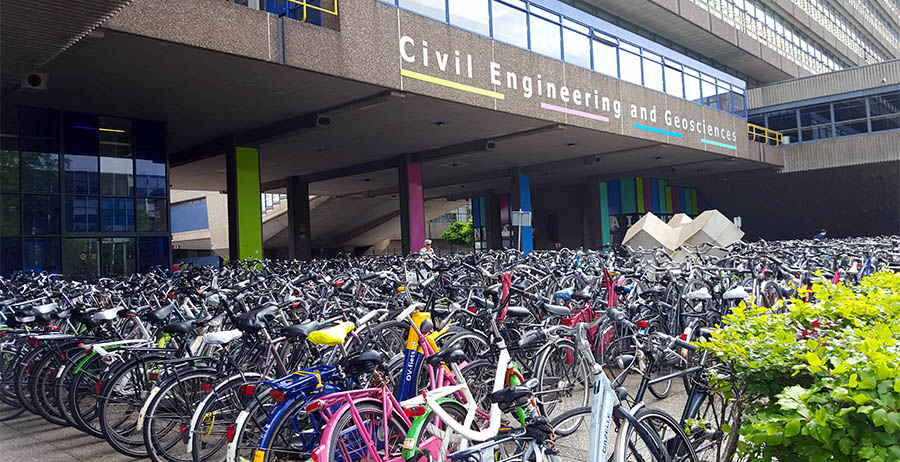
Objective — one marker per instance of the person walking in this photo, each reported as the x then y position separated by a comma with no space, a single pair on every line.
821,236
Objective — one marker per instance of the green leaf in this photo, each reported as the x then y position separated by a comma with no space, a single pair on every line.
879,417
792,428
892,423
861,398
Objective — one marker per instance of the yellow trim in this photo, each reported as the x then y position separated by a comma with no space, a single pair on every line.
764,135
317,8
259,455
451,84
316,374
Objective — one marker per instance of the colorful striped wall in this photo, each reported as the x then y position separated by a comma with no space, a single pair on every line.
628,196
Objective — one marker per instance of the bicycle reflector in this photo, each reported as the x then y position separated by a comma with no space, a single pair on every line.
276,395
643,324
229,432
415,411
314,406
247,390
205,386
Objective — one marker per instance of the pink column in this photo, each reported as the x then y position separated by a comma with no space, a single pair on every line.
416,207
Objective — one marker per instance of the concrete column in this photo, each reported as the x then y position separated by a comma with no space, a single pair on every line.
492,220
593,222
299,232
412,206
244,203
520,199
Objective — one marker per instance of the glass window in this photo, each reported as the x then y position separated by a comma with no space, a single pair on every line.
888,123
724,99
674,85
10,254
80,134
39,130
850,110
653,78
739,106
692,88
152,215
115,137
116,176
630,66
885,104
851,128
471,15
116,256
80,174
815,115
710,96
41,254
40,214
10,214
585,30
150,158
606,60
510,25
816,133
190,216
153,251
577,47
545,37
783,120
431,8
81,258
40,172
9,170
82,214
116,214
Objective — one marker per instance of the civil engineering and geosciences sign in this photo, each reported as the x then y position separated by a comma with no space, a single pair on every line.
587,99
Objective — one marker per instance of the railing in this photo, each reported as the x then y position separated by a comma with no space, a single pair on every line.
309,11
269,201
304,4
764,135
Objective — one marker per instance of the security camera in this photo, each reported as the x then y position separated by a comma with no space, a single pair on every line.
490,146
884,80
34,81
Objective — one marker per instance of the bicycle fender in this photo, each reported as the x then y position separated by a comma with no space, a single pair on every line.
140,419
623,429
238,426
416,428
196,416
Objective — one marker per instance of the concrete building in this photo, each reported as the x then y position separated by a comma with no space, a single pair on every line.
372,117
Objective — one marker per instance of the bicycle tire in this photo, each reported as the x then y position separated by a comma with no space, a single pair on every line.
664,433
553,362
43,391
219,411
341,428
83,395
176,396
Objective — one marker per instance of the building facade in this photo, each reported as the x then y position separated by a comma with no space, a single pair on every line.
369,119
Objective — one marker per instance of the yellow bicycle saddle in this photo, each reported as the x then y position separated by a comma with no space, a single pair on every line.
333,335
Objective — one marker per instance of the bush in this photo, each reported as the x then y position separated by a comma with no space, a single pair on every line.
821,383
459,233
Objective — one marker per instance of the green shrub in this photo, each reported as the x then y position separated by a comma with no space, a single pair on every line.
821,383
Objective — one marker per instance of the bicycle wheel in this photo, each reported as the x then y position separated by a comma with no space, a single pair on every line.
251,423
23,376
433,433
121,398
209,435
661,434
713,430
475,345
346,441
43,391
10,408
83,393
293,436
169,414
564,378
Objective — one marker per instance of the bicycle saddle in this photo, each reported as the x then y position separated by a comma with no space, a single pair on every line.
255,320
160,314
517,312
364,362
699,294
453,355
583,294
301,330
655,290
99,317
510,394
331,336
222,337
556,309
182,327
737,293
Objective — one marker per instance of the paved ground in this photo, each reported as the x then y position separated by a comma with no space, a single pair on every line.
30,438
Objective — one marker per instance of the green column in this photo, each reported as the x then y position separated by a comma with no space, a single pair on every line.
244,204
604,212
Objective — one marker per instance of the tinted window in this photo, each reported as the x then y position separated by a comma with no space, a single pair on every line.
189,216
39,130
850,110
81,257
710,96
81,134
10,210
40,214
606,58
815,115
724,99
739,106
115,137
40,172
41,254
851,128
116,176
116,256
116,214
890,123
10,254
151,215
818,133
510,25
82,214
472,15
9,170
885,104
783,120
150,158
80,174
545,38
430,8
153,251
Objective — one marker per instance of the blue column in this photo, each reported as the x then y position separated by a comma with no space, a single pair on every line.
525,206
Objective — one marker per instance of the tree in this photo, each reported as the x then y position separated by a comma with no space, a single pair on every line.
459,233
